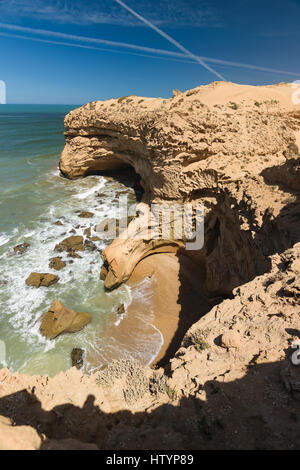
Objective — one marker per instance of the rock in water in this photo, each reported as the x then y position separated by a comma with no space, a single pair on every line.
61,319
73,254
121,309
57,264
41,279
77,357
87,232
86,214
89,245
74,243
95,239
103,273
20,249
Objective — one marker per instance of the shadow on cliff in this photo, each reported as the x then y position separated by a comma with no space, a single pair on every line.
283,231
192,300
257,411
128,177
231,257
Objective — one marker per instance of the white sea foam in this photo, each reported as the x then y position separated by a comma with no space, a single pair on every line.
142,342
78,286
151,344
91,191
3,239
29,234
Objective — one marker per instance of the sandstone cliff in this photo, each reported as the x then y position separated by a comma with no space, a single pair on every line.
234,148
231,383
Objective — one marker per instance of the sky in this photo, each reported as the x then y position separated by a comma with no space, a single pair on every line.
76,51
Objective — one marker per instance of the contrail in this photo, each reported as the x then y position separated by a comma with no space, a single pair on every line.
170,39
169,55
45,32
248,66
62,43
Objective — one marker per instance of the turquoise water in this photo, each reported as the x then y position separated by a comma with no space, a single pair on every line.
33,197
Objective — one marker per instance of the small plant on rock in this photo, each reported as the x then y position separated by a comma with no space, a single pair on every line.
197,340
171,392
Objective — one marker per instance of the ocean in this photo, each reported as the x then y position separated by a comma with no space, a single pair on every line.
33,197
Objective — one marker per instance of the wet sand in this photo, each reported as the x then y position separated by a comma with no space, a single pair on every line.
178,298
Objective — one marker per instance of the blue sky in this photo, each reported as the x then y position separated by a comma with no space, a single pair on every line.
74,51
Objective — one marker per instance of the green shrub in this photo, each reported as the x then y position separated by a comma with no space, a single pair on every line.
198,342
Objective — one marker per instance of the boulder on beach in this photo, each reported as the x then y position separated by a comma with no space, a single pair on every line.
61,319
86,214
56,263
41,279
20,249
74,243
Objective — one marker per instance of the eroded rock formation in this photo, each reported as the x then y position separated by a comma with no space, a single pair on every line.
73,243
56,263
232,148
60,319
41,280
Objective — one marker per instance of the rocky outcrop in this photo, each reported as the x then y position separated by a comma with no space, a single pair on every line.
41,280
21,249
133,244
231,148
198,137
85,215
60,319
73,243
56,263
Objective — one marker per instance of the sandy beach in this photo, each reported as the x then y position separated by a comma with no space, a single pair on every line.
178,298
